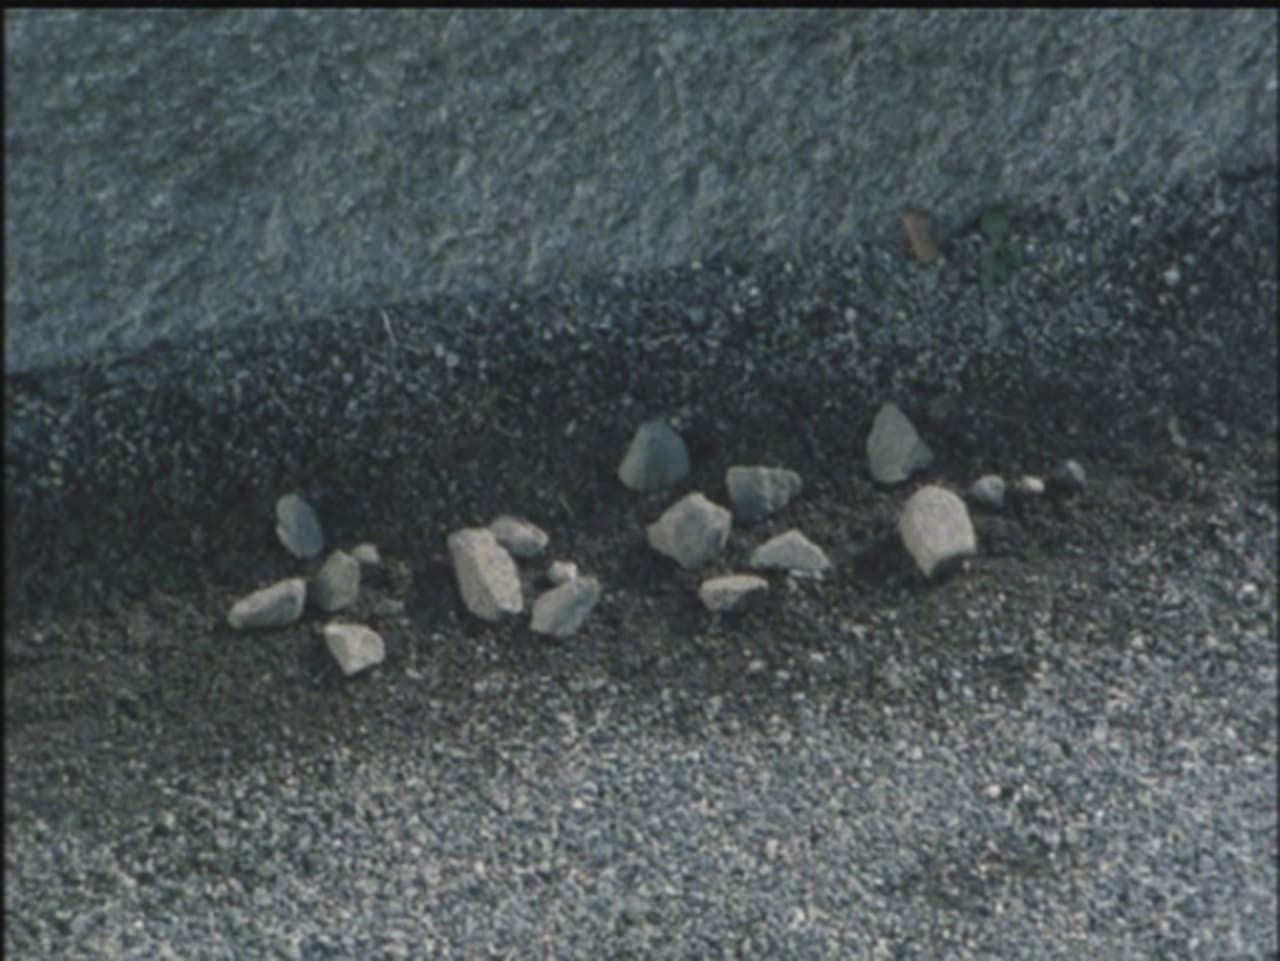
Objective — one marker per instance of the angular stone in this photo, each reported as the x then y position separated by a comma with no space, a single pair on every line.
355,647
561,610
757,492
894,449
487,575
988,490
936,530
337,585
731,592
791,551
657,458
518,536
298,527
692,531
276,606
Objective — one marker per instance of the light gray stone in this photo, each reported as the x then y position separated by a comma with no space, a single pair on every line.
561,572
518,536
791,551
486,573
298,527
894,449
936,529
731,592
756,492
367,554
337,585
657,458
561,610
355,647
1028,485
693,530
988,490
275,606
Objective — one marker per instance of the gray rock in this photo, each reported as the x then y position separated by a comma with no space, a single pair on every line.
894,449
756,492
1028,485
657,458
561,572
355,647
988,490
561,610
1068,478
276,606
732,592
486,572
367,554
936,529
791,551
693,530
337,585
298,527
518,536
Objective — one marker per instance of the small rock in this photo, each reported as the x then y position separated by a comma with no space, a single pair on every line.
1028,485
894,449
936,529
354,646
693,530
1068,478
657,458
561,572
919,236
791,551
298,527
367,554
561,610
337,585
275,606
518,536
988,490
731,592
486,572
759,491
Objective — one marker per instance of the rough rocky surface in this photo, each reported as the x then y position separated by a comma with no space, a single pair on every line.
1067,751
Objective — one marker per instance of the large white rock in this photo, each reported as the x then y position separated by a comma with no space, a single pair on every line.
298,527
791,551
693,530
354,646
894,449
731,592
759,491
561,610
936,529
337,585
487,575
657,458
275,606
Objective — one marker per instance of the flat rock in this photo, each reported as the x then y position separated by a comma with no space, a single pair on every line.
731,592
298,527
518,536
791,551
355,647
337,584
276,606
486,572
692,531
936,529
657,458
561,610
756,492
894,449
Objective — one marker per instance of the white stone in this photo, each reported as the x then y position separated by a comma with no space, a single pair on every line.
692,531
731,592
988,490
561,572
936,530
518,536
486,572
337,585
756,492
298,527
791,551
354,646
1029,485
367,554
561,610
657,458
894,449
275,606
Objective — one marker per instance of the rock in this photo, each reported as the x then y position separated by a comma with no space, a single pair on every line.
298,527
1028,485
366,554
561,572
732,592
657,458
1068,478
894,449
276,606
487,575
561,610
988,490
920,236
756,492
791,551
355,647
936,529
518,536
693,530
337,585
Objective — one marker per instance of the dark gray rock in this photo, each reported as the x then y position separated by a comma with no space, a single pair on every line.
656,458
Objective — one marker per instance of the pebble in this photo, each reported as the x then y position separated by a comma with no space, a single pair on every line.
731,592
518,536
337,585
367,554
936,529
894,449
354,646
1068,478
692,531
1028,485
298,527
756,492
276,606
657,458
988,490
791,551
562,610
486,572
561,572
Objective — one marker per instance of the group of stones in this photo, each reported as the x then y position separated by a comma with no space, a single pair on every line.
934,526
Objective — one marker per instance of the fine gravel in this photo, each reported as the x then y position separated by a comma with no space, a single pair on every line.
1064,749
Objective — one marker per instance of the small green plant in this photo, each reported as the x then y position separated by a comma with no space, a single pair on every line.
1000,257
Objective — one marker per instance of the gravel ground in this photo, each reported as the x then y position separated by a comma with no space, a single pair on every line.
1065,750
